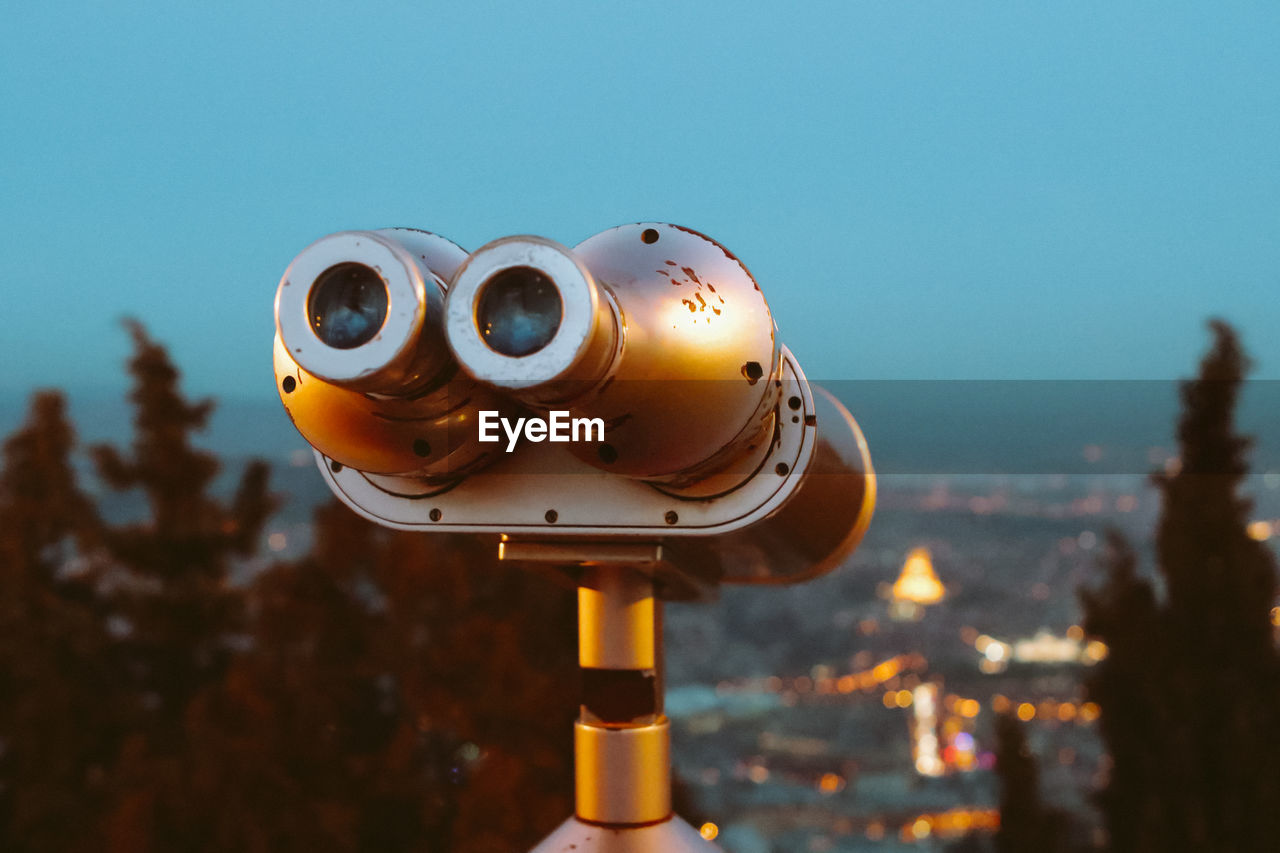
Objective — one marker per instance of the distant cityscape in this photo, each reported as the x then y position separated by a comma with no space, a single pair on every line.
856,712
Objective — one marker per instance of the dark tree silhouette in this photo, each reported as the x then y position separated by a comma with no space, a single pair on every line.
57,736
1190,693
44,509
403,694
173,592
302,746
176,616
486,655
1027,825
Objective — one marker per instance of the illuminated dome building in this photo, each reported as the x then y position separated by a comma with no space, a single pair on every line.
916,587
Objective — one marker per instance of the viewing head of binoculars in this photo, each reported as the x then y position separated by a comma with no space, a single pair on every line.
631,388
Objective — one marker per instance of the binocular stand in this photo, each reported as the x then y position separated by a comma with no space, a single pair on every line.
622,740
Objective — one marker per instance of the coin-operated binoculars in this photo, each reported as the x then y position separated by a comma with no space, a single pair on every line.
621,411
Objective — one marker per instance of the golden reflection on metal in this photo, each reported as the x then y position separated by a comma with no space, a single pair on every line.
698,340
822,522
623,774
428,437
617,618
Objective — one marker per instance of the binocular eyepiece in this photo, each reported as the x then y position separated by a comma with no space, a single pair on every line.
362,309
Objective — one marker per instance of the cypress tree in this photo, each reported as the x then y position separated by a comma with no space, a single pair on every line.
1027,825
1190,693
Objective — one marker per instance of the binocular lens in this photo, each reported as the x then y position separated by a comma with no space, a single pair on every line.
347,305
519,311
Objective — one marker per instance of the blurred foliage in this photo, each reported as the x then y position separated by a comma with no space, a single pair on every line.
386,692
1190,689
1190,692
1027,825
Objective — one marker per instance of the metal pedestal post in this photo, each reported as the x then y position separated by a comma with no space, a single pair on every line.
622,740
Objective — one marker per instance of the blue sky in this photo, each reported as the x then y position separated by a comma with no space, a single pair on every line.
924,190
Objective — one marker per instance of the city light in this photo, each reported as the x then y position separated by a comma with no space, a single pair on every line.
830,783
916,587
995,654
1260,531
1095,651
924,731
1044,647
949,824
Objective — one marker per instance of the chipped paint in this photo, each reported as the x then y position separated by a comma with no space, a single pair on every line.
703,303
